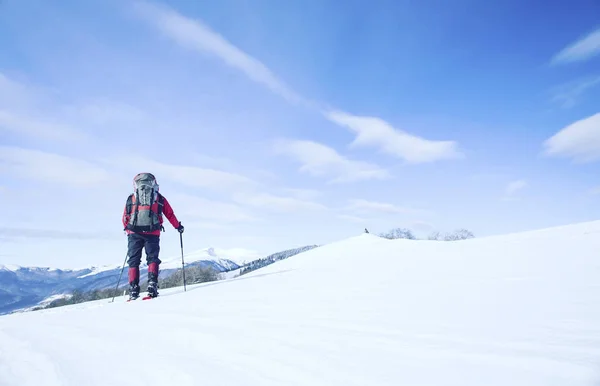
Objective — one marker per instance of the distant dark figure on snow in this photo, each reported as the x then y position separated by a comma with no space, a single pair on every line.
366,231
142,221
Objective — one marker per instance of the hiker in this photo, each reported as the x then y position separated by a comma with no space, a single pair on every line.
142,219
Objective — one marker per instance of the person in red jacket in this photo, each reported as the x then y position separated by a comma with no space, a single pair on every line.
143,222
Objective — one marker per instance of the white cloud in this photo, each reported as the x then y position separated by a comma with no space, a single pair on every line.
366,206
39,129
568,94
375,132
579,140
48,167
276,203
201,208
15,233
320,160
580,50
195,35
514,186
190,176
20,113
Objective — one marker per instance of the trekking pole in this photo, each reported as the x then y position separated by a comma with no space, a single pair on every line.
182,264
119,281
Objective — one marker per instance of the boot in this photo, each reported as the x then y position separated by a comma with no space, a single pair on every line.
153,280
134,291
152,289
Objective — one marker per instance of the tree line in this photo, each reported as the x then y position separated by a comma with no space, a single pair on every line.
404,233
193,275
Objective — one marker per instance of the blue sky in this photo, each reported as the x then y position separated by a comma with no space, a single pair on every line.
271,125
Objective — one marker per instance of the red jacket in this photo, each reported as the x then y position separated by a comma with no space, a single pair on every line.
167,211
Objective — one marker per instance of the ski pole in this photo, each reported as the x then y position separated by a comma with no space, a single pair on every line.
119,281
182,263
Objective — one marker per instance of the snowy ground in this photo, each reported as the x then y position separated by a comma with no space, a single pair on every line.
520,309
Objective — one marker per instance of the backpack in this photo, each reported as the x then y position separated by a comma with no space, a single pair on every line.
139,205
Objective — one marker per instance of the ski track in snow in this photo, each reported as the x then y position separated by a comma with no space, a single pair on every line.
522,309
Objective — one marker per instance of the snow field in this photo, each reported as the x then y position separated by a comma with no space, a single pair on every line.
520,309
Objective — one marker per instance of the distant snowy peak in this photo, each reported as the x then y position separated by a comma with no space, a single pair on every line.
10,268
15,268
97,270
239,256
219,257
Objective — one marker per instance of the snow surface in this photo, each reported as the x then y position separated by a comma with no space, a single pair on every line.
522,309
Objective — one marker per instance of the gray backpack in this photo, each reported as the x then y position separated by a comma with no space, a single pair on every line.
139,205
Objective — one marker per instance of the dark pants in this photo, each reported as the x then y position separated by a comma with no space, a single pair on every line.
136,243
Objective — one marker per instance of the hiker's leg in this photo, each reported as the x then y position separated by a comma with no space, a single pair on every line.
152,247
135,244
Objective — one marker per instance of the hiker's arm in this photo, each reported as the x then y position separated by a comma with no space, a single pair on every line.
169,214
125,218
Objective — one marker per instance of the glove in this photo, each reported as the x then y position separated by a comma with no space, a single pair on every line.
180,227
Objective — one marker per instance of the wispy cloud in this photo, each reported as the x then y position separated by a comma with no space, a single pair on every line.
12,93
190,176
579,140
105,112
568,94
10,233
20,115
196,35
514,187
375,132
39,129
594,191
49,167
271,202
583,49
303,194
217,212
369,207
322,161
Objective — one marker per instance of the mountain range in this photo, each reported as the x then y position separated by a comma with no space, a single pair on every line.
25,287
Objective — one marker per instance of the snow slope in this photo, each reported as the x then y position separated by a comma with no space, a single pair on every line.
521,309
